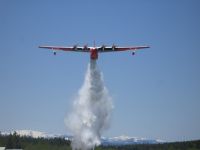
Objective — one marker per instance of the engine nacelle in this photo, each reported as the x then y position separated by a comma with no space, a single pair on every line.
113,47
85,47
75,47
103,47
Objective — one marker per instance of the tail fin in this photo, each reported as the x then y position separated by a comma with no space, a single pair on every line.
94,44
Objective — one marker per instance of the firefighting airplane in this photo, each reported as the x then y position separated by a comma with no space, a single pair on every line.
94,50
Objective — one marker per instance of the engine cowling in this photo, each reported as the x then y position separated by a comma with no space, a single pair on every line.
85,47
103,47
75,47
113,47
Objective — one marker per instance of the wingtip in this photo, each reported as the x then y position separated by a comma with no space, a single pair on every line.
41,46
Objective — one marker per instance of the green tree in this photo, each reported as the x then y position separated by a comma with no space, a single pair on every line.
9,143
16,139
13,141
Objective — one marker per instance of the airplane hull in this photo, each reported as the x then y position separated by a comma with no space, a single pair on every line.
94,54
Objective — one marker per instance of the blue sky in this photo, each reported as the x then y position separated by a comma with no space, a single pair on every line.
155,93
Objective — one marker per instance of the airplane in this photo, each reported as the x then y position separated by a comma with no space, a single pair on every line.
94,50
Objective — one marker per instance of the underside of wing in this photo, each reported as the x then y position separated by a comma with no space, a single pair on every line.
115,48
74,48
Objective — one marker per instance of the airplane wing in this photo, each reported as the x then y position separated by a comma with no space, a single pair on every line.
74,48
116,49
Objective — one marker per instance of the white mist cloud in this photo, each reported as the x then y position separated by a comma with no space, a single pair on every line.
91,112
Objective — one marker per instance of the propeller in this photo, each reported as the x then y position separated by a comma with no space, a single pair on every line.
75,46
85,47
103,47
113,47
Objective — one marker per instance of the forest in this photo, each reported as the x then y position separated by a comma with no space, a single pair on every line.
14,141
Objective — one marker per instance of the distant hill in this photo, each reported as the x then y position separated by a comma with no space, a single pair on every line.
126,140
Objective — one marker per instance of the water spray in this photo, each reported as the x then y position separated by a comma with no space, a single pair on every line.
91,112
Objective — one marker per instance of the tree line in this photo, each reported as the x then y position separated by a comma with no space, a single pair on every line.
14,141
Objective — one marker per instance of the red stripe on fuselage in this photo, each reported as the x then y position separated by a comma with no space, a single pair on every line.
93,53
